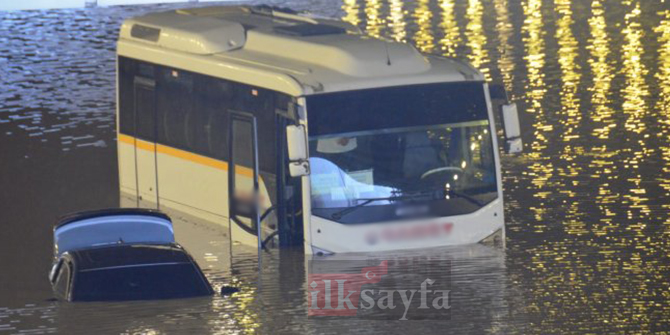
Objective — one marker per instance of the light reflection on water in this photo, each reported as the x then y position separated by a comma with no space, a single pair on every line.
397,20
587,204
474,34
423,16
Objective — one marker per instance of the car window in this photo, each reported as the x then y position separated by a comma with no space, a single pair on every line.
143,282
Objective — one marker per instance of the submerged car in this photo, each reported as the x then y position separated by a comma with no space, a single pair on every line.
122,255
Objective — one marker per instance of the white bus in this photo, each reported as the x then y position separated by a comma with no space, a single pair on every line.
293,130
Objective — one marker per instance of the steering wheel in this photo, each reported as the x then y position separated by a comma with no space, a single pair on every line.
441,169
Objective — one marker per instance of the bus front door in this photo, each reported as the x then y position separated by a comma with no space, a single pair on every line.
243,180
289,194
145,143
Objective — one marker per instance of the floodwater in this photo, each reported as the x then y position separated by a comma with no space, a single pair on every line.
588,203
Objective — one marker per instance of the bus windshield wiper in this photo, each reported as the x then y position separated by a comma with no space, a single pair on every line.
441,193
411,196
467,197
432,194
340,214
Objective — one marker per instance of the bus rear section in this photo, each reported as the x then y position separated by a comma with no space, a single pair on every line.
201,147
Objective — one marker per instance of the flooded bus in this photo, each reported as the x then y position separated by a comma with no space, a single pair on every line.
294,130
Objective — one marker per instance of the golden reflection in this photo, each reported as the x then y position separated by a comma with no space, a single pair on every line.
635,108
602,115
535,59
505,32
602,73
542,169
397,22
424,37
635,91
240,312
452,31
374,21
245,316
570,115
352,12
663,74
663,78
567,52
479,56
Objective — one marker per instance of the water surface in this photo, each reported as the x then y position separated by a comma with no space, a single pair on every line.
588,207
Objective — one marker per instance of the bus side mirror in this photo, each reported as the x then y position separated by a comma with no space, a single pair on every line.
510,118
296,139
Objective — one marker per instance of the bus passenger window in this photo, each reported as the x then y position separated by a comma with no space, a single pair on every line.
145,70
213,98
217,136
126,73
175,102
145,112
242,144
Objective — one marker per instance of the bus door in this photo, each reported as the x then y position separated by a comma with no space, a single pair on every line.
289,197
145,143
243,183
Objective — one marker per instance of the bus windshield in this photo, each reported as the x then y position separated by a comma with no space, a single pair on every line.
401,152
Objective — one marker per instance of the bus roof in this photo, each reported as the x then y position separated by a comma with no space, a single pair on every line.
281,50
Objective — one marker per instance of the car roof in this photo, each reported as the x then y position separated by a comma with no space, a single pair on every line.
128,255
67,219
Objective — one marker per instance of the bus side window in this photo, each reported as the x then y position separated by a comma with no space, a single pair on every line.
126,75
145,112
213,98
217,138
175,104
261,103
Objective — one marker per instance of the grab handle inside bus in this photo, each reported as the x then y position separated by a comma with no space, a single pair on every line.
296,138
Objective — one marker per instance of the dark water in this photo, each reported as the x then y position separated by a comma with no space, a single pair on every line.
588,203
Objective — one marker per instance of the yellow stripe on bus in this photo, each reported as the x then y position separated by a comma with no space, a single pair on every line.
185,155
126,139
148,146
